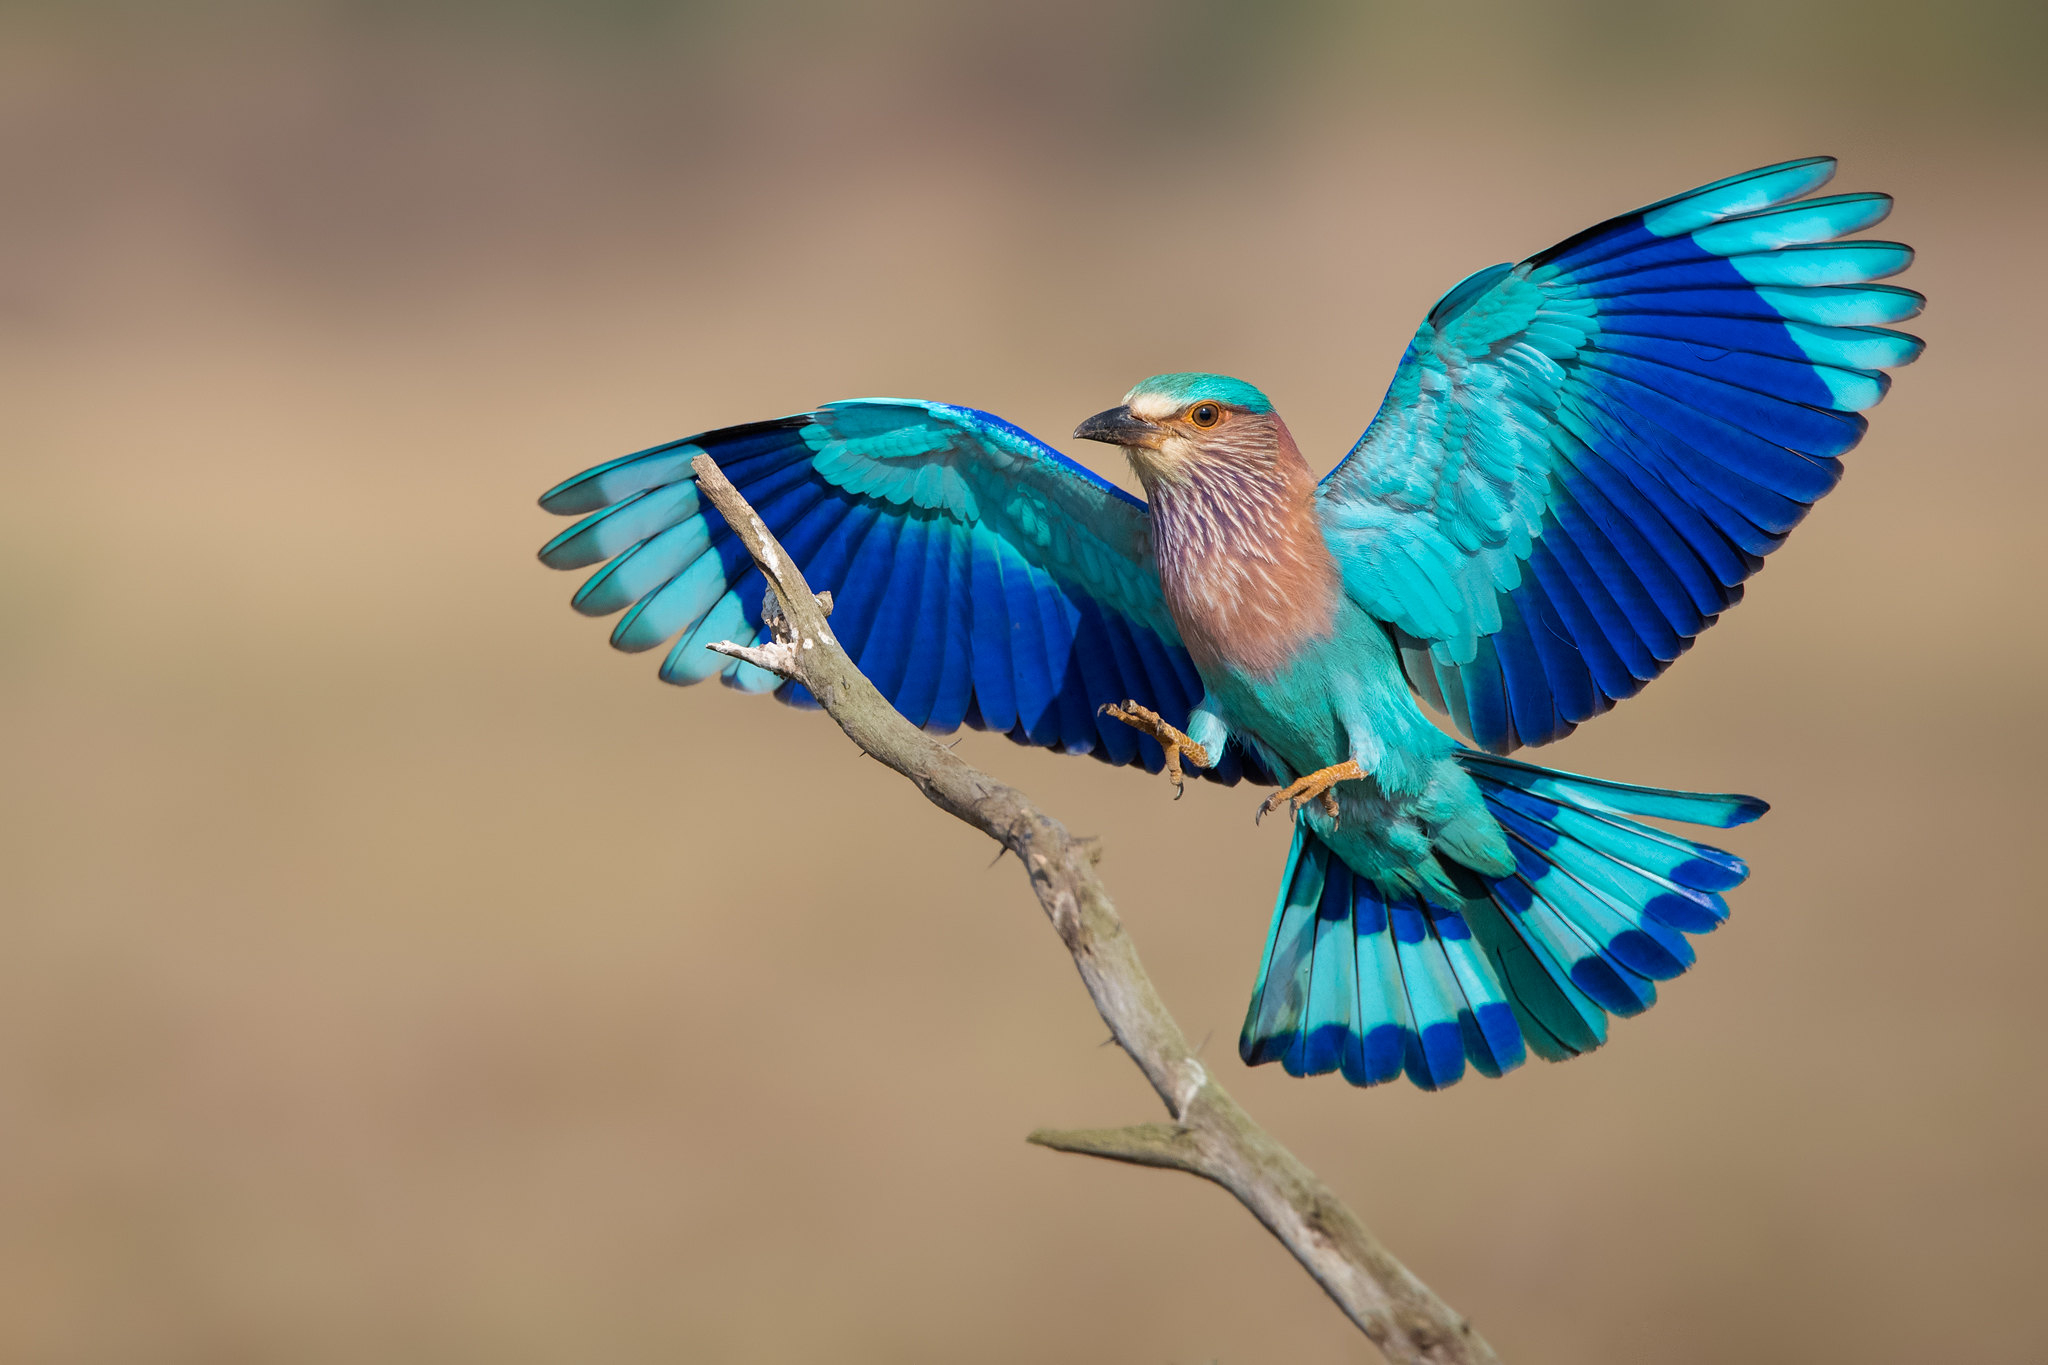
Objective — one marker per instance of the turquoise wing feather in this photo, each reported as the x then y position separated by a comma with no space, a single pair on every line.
1582,457
979,576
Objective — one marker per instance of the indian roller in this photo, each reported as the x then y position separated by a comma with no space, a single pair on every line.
1580,461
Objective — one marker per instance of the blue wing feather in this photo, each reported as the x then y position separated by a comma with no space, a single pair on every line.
1612,626
995,679
885,654
917,690
1531,704
870,568
1594,434
1583,510
1589,452
1032,671
1571,678
1102,674
1611,678
954,696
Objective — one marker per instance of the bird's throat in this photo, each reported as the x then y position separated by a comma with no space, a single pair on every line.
1247,576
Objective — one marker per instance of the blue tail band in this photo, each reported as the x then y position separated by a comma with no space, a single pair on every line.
1597,910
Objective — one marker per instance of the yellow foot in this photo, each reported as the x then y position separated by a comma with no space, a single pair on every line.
1174,742
1316,786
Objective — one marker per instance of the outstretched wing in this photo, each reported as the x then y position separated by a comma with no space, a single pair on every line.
1582,457
978,575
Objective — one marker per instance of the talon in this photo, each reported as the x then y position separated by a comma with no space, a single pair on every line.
1172,741
1319,786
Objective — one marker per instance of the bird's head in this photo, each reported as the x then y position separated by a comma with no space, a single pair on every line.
1172,426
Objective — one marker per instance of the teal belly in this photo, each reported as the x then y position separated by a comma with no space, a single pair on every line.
1342,697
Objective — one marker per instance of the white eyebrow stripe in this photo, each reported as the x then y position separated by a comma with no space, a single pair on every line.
1151,406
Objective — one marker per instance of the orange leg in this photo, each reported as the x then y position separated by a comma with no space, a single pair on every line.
1174,742
1316,785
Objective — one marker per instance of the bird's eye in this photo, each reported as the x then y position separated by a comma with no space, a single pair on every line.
1205,415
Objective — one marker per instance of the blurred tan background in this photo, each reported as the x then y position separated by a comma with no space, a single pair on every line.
390,972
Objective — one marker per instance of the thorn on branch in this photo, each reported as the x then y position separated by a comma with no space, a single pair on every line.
1170,1145
778,657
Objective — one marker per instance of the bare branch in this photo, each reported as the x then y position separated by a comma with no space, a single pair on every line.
1210,1135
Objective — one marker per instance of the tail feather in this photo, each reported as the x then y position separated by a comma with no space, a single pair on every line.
1624,840
1597,910
1717,810
1376,1048
1492,1038
1556,1018
1683,907
1560,923
1436,1048
1333,991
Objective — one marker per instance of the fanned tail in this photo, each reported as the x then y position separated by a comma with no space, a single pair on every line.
1597,910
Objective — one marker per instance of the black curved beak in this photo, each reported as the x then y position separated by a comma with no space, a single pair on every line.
1119,427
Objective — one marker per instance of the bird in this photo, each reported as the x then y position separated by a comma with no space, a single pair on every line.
1580,461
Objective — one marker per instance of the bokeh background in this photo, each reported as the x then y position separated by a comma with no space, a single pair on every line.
390,972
